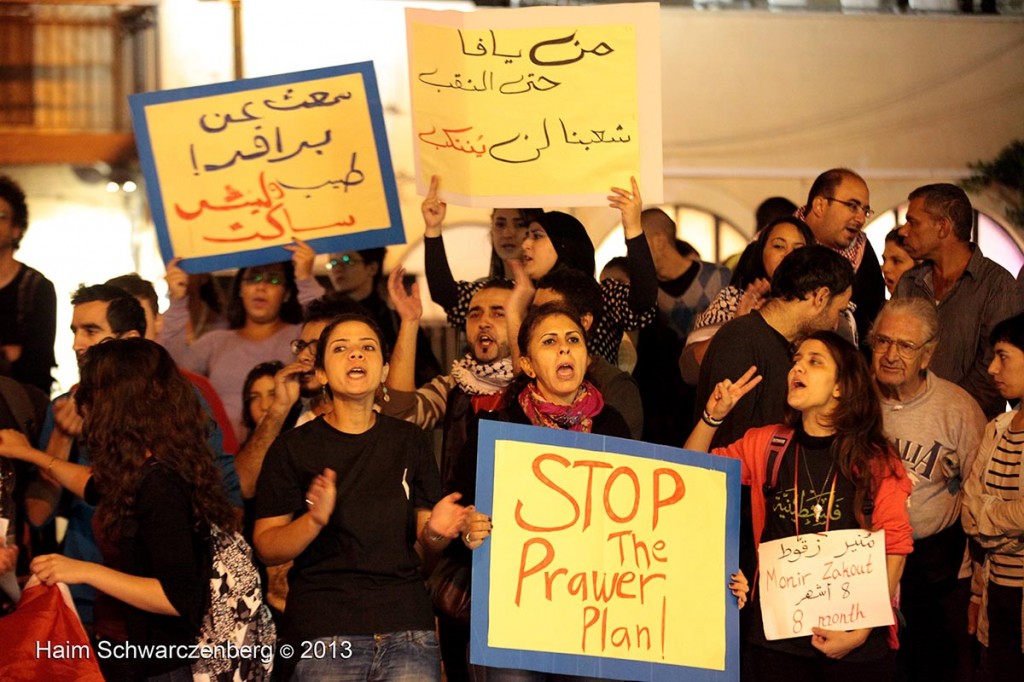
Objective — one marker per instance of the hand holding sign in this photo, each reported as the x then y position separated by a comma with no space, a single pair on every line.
177,280
302,258
837,643
476,529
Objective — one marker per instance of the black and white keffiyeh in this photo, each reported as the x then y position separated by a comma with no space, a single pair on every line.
477,378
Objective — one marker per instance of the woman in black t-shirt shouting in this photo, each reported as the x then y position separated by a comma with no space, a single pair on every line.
352,497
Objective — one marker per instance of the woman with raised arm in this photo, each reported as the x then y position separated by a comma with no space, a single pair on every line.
352,497
157,493
508,230
555,240
264,315
842,472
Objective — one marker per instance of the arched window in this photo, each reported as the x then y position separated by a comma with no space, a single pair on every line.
714,237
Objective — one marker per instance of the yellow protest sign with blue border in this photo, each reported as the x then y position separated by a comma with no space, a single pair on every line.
236,170
608,558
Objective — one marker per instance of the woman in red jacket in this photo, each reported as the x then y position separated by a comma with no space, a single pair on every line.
837,469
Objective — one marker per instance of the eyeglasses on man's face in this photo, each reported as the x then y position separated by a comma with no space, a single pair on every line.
298,345
906,349
855,206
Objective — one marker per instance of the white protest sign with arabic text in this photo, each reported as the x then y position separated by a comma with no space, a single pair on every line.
835,580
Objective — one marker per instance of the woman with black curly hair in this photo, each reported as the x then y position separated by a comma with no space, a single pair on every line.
157,493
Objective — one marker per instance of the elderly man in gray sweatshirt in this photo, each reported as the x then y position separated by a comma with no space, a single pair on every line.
936,427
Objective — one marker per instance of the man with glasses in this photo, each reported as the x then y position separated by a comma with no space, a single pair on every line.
936,427
972,293
838,206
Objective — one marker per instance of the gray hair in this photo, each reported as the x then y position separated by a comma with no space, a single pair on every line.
921,309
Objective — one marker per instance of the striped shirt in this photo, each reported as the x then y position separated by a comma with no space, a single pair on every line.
1002,481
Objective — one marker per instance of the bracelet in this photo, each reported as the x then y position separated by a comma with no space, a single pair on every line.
711,421
431,535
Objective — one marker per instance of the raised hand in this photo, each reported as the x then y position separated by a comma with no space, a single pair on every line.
754,296
629,204
287,386
523,291
177,280
433,209
66,416
303,256
409,306
727,393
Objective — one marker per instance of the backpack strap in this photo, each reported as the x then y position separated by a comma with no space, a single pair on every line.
776,448
868,509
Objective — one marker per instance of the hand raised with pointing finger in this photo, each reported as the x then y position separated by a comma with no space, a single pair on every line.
433,209
629,203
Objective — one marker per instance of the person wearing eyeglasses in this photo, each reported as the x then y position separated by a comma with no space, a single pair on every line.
936,428
837,208
359,274
263,317
972,292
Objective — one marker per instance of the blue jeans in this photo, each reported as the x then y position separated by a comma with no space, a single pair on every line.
409,656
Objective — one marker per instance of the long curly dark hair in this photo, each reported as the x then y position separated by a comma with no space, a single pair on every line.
136,403
864,454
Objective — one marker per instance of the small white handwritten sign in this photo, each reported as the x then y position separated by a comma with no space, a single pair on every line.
835,580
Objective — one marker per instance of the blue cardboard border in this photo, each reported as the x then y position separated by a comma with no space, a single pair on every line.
594,666
394,234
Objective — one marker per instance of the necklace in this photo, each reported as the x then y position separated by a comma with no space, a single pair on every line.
817,508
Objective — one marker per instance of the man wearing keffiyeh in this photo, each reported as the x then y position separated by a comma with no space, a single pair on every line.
474,386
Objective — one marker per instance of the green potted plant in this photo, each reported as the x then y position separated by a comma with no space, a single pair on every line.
1003,176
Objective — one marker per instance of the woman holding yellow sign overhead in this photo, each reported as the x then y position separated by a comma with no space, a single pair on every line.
558,240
